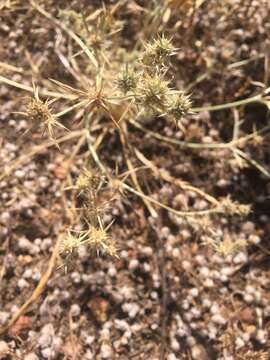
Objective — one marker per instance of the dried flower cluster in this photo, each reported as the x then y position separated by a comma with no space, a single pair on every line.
229,207
95,236
148,85
40,115
227,246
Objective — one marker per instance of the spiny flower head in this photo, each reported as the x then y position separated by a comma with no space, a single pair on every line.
100,241
180,106
38,112
88,180
228,246
229,207
127,80
153,93
158,51
70,243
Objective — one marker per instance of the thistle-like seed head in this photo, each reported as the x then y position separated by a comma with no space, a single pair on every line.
38,112
228,246
180,106
227,206
70,243
100,241
127,81
88,180
158,51
153,93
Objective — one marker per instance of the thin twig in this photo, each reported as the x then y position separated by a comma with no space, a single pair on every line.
256,98
190,145
76,38
169,178
30,89
133,175
163,307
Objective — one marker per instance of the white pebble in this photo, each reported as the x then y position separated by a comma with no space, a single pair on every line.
196,313
248,298
28,274
186,265
121,325
75,310
208,283
219,319
47,353
146,267
131,308
246,337
224,278
171,356
185,304
191,341
206,303
239,342
112,271
248,227
227,270
133,265
194,292
31,356
240,258
4,349
154,295
204,271
200,259
261,336
22,284
258,296
175,345
126,292
3,317
176,253
215,309
106,351
250,289
254,239
147,251
46,337
88,355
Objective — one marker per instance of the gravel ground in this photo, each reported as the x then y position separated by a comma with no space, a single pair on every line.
171,294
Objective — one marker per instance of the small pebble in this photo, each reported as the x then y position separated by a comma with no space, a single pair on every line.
171,356
31,356
3,317
194,292
112,271
198,352
175,345
22,283
240,258
133,265
106,351
191,341
239,342
261,336
75,310
47,353
4,349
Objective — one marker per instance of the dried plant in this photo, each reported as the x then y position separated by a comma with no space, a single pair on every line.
119,86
